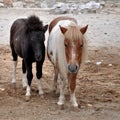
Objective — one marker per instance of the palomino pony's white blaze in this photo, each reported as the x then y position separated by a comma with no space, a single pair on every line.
56,53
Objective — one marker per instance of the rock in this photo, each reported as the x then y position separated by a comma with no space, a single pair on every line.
2,89
60,8
75,8
1,1
8,3
50,3
18,4
109,65
29,1
44,4
1,5
98,63
90,7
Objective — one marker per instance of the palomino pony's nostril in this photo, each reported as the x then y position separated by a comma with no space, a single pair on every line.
72,68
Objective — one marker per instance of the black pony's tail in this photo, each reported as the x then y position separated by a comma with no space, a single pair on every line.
34,23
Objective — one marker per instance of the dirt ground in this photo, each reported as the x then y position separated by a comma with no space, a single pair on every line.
98,87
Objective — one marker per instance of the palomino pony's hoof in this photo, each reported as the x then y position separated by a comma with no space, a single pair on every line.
61,107
54,91
27,98
42,96
75,109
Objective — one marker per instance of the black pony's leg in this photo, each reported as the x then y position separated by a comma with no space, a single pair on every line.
29,77
14,55
24,78
39,76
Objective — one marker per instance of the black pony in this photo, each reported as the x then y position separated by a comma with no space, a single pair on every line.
27,38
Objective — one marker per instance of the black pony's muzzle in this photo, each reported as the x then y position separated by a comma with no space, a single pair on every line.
38,57
73,68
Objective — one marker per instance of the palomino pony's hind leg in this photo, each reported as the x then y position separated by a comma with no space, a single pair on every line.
14,55
55,80
24,77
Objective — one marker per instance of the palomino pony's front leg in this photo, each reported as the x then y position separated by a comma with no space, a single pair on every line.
62,90
72,84
39,75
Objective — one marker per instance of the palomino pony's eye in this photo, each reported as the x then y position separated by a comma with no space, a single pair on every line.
81,46
65,45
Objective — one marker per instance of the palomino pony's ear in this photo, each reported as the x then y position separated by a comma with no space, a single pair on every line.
45,28
63,30
84,29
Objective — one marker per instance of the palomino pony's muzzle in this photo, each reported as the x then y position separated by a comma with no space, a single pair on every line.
73,68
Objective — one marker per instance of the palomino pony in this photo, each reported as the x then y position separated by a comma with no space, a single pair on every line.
66,50
27,38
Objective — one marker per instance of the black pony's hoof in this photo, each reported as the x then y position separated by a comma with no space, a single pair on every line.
61,107
14,85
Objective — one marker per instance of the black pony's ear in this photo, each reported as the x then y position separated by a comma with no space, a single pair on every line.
45,28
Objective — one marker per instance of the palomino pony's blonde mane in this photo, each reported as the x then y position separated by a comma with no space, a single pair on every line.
73,33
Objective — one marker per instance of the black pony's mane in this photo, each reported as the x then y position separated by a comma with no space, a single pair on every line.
34,23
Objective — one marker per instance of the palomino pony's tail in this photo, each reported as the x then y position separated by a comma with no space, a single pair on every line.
34,23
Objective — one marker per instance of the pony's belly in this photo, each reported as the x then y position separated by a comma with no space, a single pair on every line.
50,55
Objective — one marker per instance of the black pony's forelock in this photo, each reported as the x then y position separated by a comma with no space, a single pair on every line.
34,23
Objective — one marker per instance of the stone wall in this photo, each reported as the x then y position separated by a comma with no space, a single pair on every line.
21,3
26,3
35,3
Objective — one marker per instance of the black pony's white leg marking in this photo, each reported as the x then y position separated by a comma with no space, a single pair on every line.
24,77
24,80
14,72
40,87
39,77
28,89
29,79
